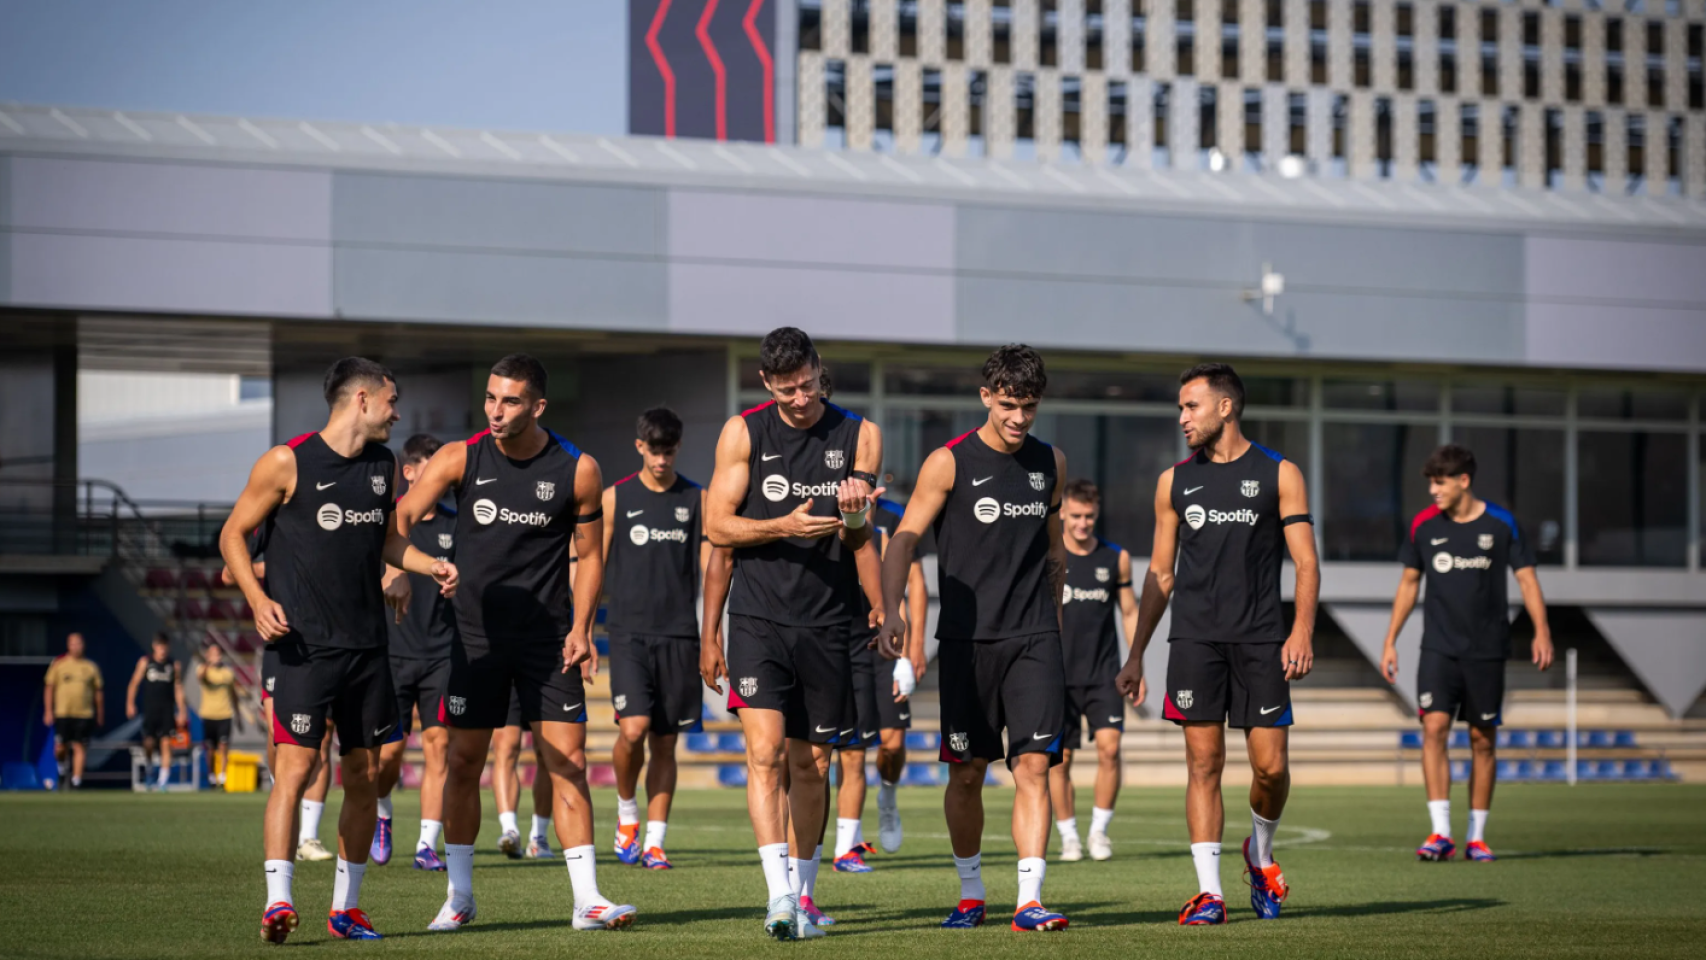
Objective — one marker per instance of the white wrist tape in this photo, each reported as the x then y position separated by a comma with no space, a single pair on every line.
856,519
904,677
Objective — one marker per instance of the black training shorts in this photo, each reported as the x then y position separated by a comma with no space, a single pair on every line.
352,687
421,685
1099,704
656,677
800,671
1469,690
1017,685
483,674
1240,684
216,731
73,729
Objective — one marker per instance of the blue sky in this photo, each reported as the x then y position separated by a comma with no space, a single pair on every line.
514,64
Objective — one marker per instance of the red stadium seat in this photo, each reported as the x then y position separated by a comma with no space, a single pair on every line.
160,578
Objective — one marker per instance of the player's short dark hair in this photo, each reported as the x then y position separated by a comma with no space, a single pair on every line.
1017,370
784,350
161,638
527,369
420,447
826,384
1222,379
659,427
350,371
1450,460
1083,491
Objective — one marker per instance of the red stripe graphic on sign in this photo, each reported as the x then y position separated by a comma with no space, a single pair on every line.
749,21
716,62
663,68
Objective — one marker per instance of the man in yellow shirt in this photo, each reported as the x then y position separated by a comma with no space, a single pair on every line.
71,705
217,707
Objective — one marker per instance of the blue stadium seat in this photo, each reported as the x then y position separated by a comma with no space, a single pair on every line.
1553,770
1410,740
701,743
1550,739
922,740
1623,738
732,774
1593,738
603,645
1507,770
922,775
1459,771
1516,738
731,743
706,713
1459,739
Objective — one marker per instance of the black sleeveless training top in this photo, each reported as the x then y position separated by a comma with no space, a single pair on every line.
798,582
651,577
515,525
158,680
325,545
1227,585
1088,642
992,542
430,625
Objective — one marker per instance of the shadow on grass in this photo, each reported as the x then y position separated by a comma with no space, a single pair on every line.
1592,852
1380,907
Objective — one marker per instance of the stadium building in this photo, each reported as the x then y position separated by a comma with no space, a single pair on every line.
1506,253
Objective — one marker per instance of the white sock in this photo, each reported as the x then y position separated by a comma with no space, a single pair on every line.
844,833
311,810
627,811
1439,811
346,889
1262,839
797,875
385,807
430,829
970,870
1031,871
1478,825
541,826
1068,829
583,875
1206,856
279,874
165,774
459,865
773,857
655,831
506,822
1099,820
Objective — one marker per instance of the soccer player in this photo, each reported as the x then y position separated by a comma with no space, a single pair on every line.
162,687
652,576
218,705
1098,578
1463,545
524,496
1224,518
790,495
506,789
71,705
882,714
993,495
326,499
419,636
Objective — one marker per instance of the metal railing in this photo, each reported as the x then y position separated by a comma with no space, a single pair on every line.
95,517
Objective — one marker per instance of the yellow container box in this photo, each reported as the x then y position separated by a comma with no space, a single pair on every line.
242,772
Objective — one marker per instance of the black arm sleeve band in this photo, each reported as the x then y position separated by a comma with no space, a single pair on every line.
869,478
1297,518
1122,584
1053,509
590,517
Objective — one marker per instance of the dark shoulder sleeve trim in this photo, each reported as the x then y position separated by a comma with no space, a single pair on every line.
1296,518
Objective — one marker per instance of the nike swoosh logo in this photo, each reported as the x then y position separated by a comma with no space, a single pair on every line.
767,457
1041,736
1267,710
381,731
1114,719
825,729
1438,540
867,734
905,716
686,723
979,483
569,709
1191,491
322,486
480,483
635,513
1488,716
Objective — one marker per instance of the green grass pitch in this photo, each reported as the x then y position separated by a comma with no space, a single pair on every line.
1594,871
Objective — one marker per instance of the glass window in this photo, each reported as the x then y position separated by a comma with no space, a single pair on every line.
1508,399
1276,392
1289,437
848,376
1419,395
911,435
1124,456
1633,498
1374,486
957,381
1102,385
1612,403
1523,471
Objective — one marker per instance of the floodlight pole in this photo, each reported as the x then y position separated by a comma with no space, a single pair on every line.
1570,716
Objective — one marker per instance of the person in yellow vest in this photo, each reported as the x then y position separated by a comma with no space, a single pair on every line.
72,706
218,705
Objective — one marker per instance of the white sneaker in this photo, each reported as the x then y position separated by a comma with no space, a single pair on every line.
1071,850
804,929
889,832
779,917
605,916
1100,848
312,849
539,848
452,916
510,844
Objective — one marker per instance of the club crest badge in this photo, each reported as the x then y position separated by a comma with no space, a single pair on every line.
621,702
748,686
1426,700
682,514
1252,488
546,490
1183,699
1484,541
299,723
834,459
959,742
1101,574
456,705
1038,482
445,541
